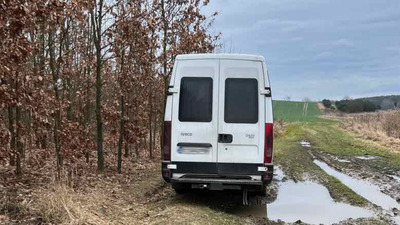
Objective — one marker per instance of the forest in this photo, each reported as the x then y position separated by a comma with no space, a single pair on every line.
83,83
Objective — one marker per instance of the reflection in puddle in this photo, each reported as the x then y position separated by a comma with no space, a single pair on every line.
342,160
311,203
395,177
305,143
278,174
367,190
258,211
362,187
367,157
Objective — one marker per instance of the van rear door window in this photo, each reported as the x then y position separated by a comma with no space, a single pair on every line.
195,101
241,100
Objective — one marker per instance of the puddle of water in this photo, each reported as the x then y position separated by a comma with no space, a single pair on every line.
396,220
367,157
311,203
306,201
342,160
278,174
305,143
395,177
367,190
258,211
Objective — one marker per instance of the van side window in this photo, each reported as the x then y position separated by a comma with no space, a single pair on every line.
241,100
195,101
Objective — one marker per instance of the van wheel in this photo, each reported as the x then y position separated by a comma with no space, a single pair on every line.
180,188
263,191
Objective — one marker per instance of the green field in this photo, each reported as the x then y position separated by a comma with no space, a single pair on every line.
292,111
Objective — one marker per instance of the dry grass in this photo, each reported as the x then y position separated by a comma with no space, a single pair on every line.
321,106
152,203
106,198
382,127
135,197
61,205
279,127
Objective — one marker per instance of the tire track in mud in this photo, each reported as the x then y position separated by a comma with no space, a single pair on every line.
384,209
369,191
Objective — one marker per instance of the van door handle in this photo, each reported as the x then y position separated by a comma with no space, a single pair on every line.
199,145
225,138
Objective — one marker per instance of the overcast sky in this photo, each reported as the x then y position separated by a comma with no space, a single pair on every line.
317,48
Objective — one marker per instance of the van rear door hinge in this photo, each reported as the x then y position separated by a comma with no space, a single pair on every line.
172,91
266,92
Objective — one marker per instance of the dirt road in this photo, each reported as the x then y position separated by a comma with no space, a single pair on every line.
323,175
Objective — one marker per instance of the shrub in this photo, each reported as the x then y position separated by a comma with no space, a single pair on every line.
369,106
327,103
356,106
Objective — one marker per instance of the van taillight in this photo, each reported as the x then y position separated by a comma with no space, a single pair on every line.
269,142
167,141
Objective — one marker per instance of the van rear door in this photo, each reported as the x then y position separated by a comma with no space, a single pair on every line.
241,114
194,116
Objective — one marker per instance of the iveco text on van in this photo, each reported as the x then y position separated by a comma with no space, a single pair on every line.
218,131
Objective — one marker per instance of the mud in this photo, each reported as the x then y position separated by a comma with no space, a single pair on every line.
365,189
305,144
299,203
367,157
291,202
311,203
375,171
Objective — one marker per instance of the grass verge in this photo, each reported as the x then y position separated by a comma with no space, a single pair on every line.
297,163
144,200
329,138
291,111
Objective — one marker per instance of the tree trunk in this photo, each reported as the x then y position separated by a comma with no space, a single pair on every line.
154,122
121,136
97,33
137,152
69,89
20,150
12,131
99,121
165,77
150,123
126,154
87,113
18,130
57,117
88,71
70,99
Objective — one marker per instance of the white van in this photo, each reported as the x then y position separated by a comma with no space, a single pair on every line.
218,131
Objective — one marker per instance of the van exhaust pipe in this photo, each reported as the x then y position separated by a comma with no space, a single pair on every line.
245,196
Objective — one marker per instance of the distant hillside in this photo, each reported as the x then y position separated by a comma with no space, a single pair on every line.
385,102
297,111
369,104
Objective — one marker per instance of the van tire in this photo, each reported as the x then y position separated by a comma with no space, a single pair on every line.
180,188
263,191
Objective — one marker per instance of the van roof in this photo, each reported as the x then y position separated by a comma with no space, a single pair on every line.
221,56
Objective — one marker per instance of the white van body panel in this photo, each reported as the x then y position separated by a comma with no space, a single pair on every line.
221,56
248,138
198,153
269,113
195,132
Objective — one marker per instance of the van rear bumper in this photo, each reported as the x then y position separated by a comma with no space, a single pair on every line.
224,173
215,181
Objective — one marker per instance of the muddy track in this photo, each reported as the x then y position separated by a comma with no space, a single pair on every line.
370,168
380,187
